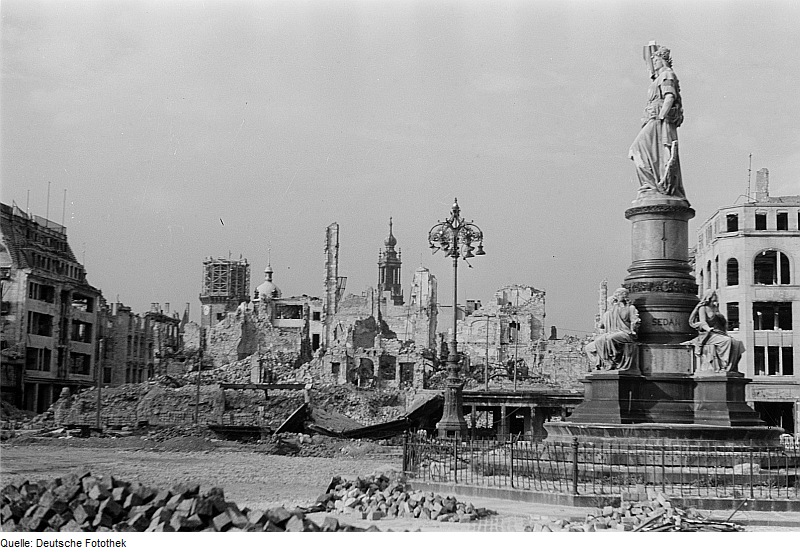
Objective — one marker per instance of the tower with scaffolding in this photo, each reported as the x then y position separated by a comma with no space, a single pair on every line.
226,285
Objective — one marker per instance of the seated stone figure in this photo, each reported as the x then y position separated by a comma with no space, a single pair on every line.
619,324
717,351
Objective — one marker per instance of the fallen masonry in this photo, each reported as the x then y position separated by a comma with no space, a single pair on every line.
377,497
85,502
657,514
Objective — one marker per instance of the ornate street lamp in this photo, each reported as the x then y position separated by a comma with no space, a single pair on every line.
456,238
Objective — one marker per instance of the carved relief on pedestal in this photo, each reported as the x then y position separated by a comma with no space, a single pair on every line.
662,286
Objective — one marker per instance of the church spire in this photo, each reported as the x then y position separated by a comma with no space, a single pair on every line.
389,264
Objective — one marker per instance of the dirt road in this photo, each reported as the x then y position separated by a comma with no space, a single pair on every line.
249,478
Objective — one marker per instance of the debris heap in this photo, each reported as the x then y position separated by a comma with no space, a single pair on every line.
657,515
83,502
376,497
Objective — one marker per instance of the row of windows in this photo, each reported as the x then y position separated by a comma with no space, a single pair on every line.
731,224
38,360
773,361
41,292
770,268
57,266
47,294
766,316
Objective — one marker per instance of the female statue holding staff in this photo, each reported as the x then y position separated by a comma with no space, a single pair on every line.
655,149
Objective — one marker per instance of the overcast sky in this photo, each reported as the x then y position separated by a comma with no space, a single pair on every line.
187,129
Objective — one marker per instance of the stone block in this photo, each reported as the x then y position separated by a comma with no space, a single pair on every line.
222,522
295,524
257,517
330,524
71,526
98,492
279,516
119,494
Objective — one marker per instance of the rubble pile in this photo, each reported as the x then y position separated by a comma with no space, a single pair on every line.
376,497
656,514
82,502
367,406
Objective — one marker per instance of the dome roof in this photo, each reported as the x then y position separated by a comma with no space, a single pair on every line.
267,289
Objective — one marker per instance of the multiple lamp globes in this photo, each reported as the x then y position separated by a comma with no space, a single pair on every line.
456,237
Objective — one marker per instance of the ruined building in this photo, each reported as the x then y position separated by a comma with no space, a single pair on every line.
511,329
226,285
135,347
377,338
49,312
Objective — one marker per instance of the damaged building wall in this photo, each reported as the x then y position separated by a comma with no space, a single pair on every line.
375,342
511,328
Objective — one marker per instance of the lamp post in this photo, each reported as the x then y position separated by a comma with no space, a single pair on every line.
456,238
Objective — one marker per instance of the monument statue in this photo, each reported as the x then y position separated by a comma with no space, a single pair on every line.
619,325
655,149
717,351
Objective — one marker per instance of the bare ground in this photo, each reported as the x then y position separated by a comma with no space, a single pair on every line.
251,477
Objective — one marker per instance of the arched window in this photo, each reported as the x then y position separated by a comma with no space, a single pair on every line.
708,276
732,276
771,267
716,272
702,283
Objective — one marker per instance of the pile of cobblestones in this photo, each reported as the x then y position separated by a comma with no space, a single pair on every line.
82,502
376,497
656,514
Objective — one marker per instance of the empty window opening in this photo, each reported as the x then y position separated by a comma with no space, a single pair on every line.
772,316
761,221
733,223
82,303
80,364
37,360
81,331
770,268
41,292
733,316
40,324
782,220
773,361
292,312
732,272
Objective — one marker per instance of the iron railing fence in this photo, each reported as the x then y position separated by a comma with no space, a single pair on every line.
701,469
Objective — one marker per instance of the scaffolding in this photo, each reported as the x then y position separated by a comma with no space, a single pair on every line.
224,278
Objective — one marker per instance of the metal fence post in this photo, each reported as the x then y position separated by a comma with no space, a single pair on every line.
511,463
455,460
405,451
751,468
575,465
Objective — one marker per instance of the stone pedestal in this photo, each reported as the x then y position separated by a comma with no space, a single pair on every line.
659,278
610,398
719,400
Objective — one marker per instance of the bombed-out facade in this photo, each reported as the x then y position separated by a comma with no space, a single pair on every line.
49,312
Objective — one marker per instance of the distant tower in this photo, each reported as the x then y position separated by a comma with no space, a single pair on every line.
389,264
226,284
